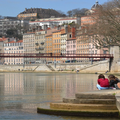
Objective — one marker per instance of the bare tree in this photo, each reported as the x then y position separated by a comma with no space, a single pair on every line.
77,12
69,13
106,29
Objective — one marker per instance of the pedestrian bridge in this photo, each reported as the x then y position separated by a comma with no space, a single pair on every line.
53,55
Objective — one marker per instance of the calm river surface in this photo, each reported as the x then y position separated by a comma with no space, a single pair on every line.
22,93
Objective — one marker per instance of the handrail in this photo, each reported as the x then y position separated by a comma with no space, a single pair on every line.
57,55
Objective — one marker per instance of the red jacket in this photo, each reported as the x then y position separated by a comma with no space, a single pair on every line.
103,82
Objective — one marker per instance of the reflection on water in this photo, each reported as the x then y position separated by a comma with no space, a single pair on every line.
22,93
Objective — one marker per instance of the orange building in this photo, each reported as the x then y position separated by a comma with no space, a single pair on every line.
56,44
49,47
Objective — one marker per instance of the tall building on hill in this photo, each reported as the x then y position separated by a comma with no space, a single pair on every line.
34,13
13,23
52,22
89,19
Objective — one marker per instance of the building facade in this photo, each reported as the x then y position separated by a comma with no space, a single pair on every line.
51,22
13,47
49,44
7,23
40,44
2,41
71,48
56,45
83,40
29,46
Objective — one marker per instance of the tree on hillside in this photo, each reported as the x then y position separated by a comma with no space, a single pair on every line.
13,33
69,13
62,13
106,29
77,12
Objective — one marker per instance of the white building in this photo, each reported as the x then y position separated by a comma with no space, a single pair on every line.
12,23
13,47
50,22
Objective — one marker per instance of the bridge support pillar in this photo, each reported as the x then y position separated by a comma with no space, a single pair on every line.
114,49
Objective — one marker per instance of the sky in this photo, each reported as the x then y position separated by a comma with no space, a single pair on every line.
14,7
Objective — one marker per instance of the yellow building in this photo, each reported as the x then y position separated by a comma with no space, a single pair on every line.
27,15
56,35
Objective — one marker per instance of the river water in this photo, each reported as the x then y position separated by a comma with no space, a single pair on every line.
22,93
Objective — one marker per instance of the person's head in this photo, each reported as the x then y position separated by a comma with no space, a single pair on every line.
101,76
111,77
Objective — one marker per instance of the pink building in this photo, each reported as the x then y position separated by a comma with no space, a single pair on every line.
94,50
13,47
71,47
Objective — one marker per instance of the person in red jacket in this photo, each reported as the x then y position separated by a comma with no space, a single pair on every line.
103,83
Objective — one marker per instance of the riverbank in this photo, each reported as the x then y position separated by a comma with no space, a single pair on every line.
71,72
101,67
104,103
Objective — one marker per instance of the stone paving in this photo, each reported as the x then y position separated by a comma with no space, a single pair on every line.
104,103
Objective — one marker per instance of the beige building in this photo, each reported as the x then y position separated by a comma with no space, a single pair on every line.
11,48
40,44
82,43
29,46
2,41
48,47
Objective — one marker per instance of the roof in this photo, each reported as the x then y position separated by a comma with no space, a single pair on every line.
96,5
53,20
48,35
12,41
63,33
3,39
19,41
56,31
29,33
72,39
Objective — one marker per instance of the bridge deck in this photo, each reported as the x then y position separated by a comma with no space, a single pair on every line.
54,55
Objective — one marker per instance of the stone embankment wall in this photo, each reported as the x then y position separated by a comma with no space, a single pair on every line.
102,66
40,67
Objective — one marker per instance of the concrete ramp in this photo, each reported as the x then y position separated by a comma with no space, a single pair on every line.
101,66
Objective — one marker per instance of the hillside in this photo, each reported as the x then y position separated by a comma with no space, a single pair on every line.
41,13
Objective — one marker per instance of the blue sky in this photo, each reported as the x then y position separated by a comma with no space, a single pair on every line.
14,7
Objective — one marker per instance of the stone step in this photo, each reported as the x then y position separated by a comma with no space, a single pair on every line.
80,113
89,101
69,106
91,95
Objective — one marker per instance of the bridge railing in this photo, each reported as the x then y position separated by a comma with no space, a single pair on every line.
55,55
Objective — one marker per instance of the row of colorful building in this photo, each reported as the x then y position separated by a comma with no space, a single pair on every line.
62,39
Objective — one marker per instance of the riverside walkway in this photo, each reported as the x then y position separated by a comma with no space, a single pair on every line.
104,103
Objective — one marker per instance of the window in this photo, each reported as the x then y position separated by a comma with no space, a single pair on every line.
95,51
104,51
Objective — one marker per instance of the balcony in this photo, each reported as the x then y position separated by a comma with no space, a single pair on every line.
42,43
36,44
39,48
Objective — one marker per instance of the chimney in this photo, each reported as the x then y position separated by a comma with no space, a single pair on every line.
25,9
73,32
